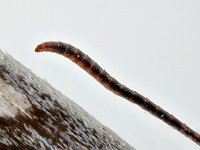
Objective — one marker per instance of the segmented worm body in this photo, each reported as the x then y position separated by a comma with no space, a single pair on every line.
91,67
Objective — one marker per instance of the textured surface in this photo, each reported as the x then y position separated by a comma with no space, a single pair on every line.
34,115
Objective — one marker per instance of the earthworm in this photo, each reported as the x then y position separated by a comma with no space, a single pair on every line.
92,68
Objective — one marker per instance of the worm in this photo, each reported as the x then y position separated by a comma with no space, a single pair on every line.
92,68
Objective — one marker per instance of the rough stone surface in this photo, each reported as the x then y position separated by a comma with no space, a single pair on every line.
34,115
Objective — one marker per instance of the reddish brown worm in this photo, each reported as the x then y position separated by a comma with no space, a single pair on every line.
91,67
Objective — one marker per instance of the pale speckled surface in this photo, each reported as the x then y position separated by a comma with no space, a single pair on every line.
11,101
47,114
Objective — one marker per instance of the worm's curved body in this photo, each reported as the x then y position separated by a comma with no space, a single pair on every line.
113,85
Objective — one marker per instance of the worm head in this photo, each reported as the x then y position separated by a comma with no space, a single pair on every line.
56,47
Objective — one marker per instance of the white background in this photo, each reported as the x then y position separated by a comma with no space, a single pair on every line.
152,47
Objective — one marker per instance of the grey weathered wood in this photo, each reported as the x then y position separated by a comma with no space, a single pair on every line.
34,115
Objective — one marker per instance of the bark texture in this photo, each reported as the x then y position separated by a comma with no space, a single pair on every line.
34,115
